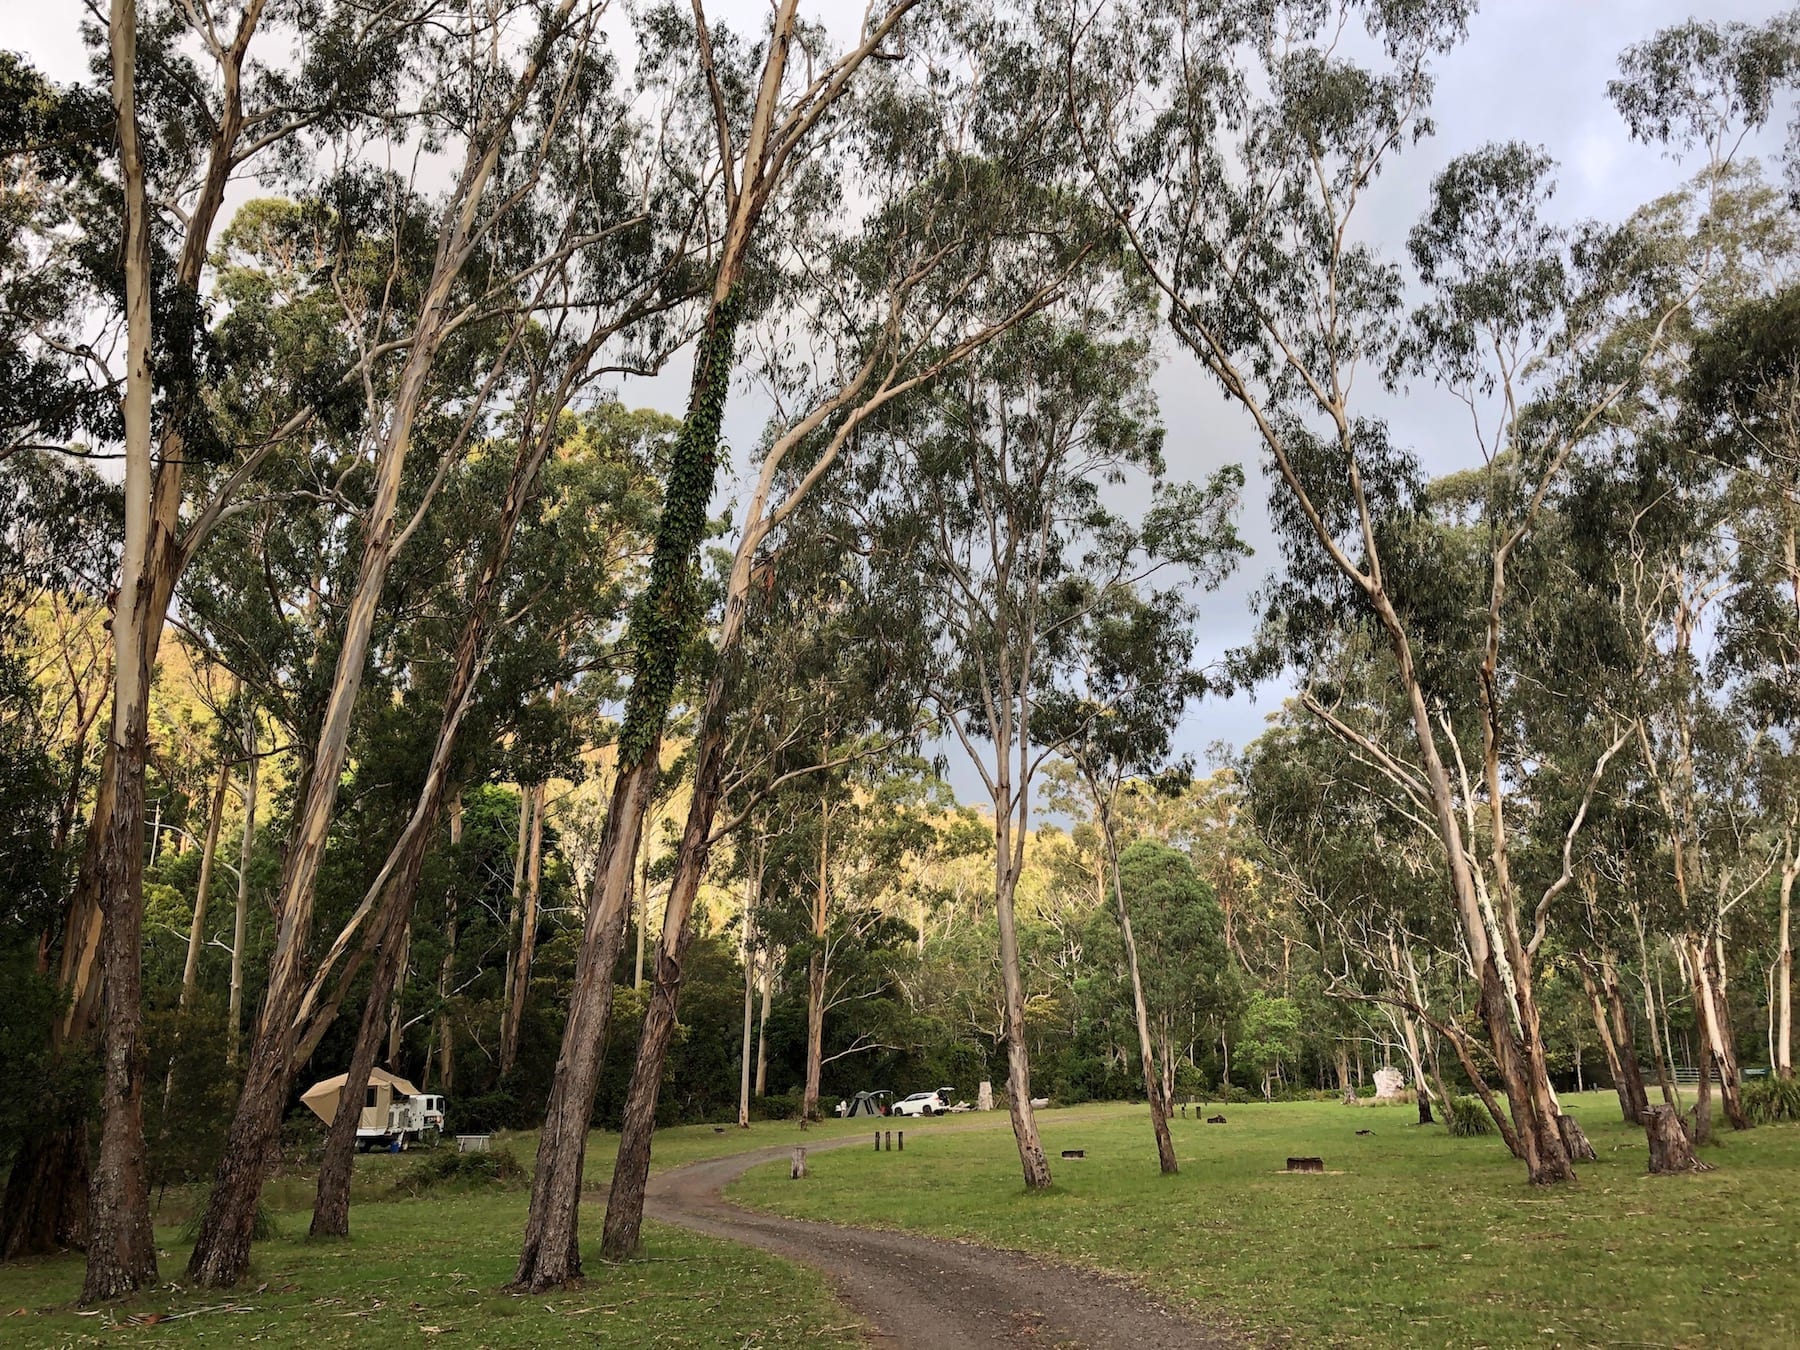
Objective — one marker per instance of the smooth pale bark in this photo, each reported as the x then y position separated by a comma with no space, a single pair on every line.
528,926
1784,973
47,1191
515,914
121,1251
748,955
190,971
1715,1027
816,974
222,1250
331,1213
1155,1090
395,1024
446,1035
744,1054
762,1024
246,848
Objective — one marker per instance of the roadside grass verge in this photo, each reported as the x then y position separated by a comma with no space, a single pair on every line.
426,1271
1412,1237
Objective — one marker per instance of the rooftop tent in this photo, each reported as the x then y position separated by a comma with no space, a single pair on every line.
322,1097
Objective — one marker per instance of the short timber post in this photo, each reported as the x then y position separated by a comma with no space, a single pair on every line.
878,1141
903,1141
890,1141
799,1165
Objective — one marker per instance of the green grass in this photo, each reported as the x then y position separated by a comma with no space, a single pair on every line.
1416,1239
427,1271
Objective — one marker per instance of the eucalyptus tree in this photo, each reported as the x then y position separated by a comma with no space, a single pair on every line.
541,95
497,600
958,239
1130,680
988,516
1240,181
1742,401
193,111
761,116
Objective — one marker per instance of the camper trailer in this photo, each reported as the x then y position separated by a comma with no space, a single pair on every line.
394,1112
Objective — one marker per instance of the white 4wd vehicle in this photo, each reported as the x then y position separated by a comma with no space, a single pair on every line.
920,1104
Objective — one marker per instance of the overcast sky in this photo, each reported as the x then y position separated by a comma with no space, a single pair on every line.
1532,70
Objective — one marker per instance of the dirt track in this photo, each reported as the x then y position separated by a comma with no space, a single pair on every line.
924,1293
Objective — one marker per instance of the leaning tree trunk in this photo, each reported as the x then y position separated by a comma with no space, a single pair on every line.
550,1254
528,926
234,1030
222,1250
1153,1086
765,981
662,621
331,1214
190,971
447,970
1032,1160
331,1205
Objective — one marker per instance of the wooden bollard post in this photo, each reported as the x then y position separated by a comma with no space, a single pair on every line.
878,1141
799,1166
890,1141
903,1141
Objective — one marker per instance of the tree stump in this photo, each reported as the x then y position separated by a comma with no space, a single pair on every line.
1575,1140
1306,1165
1671,1149
798,1168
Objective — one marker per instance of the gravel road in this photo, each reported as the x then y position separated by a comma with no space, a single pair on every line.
923,1293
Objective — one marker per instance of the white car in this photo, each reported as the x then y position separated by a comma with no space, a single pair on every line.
920,1104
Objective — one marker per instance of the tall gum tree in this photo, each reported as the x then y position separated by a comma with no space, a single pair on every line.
1237,148
555,54
761,126
217,115
964,243
987,508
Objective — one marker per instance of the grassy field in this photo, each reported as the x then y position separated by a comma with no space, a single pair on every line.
1414,1238
426,1270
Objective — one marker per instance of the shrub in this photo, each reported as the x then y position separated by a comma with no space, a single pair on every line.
781,1106
1467,1117
444,1167
1772,1099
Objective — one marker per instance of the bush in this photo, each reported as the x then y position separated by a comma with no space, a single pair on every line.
483,1114
779,1106
445,1167
1467,1117
1770,1100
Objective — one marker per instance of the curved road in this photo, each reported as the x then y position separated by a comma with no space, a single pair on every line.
923,1292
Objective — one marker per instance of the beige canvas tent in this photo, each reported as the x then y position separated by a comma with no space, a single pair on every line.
322,1098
